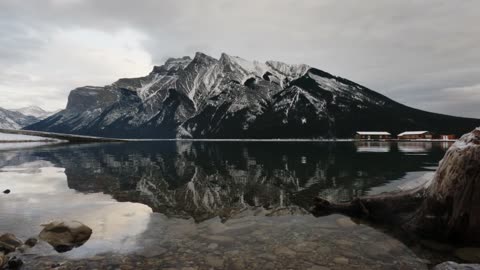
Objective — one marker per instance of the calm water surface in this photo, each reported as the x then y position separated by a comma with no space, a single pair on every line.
213,204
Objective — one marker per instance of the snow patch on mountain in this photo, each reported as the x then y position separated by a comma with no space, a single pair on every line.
288,71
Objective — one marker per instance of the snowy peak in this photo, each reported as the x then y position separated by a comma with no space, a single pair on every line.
34,111
289,71
245,67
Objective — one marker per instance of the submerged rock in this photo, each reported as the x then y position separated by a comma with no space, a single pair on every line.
468,254
14,263
6,191
346,222
456,266
65,236
31,242
9,243
3,260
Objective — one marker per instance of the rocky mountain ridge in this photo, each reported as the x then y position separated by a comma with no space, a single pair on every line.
231,97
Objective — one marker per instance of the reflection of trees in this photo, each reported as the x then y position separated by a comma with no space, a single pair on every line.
203,179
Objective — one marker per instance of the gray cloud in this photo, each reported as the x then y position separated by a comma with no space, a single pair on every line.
421,53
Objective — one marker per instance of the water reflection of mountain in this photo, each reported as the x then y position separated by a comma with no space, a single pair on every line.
203,179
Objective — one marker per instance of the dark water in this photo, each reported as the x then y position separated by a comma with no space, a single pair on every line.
228,200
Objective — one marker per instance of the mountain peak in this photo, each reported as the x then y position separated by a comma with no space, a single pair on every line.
202,57
173,64
34,111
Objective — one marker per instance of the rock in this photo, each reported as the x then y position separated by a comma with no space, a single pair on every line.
212,246
269,265
342,242
284,251
341,260
6,191
437,246
237,265
9,243
456,266
15,263
214,261
3,260
31,242
318,267
345,222
65,236
468,254
268,256
218,238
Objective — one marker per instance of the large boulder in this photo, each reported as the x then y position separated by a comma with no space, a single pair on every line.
64,236
3,260
9,243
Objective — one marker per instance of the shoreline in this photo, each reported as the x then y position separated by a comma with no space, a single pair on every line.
53,137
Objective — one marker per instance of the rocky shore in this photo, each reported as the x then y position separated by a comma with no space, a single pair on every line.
62,236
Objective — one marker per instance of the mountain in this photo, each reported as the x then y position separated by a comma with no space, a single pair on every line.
34,111
231,97
10,119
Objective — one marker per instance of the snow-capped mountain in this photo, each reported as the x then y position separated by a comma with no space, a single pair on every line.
34,111
15,120
231,97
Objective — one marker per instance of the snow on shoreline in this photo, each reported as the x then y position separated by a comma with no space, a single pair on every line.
6,137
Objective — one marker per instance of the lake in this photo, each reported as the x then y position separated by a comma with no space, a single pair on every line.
203,205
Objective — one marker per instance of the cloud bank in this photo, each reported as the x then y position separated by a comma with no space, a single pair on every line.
421,53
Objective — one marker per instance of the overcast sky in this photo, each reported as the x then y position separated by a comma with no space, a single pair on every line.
425,54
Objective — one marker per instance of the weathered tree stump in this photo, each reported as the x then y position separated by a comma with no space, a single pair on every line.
445,208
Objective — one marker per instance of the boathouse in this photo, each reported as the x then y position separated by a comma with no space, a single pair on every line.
372,135
415,135
447,137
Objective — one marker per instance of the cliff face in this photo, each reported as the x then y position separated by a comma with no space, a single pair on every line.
231,97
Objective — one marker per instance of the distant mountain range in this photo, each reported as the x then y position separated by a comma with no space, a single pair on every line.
231,97
18,118
35,111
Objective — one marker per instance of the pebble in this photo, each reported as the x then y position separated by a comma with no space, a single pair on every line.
237,265
14,263
318,267
214,261
436,245
31,242
341,260
269,265
284,251
456,266
345,222
218,238
342,242
268,256
212,246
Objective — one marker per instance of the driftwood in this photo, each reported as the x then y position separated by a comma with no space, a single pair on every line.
446,208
